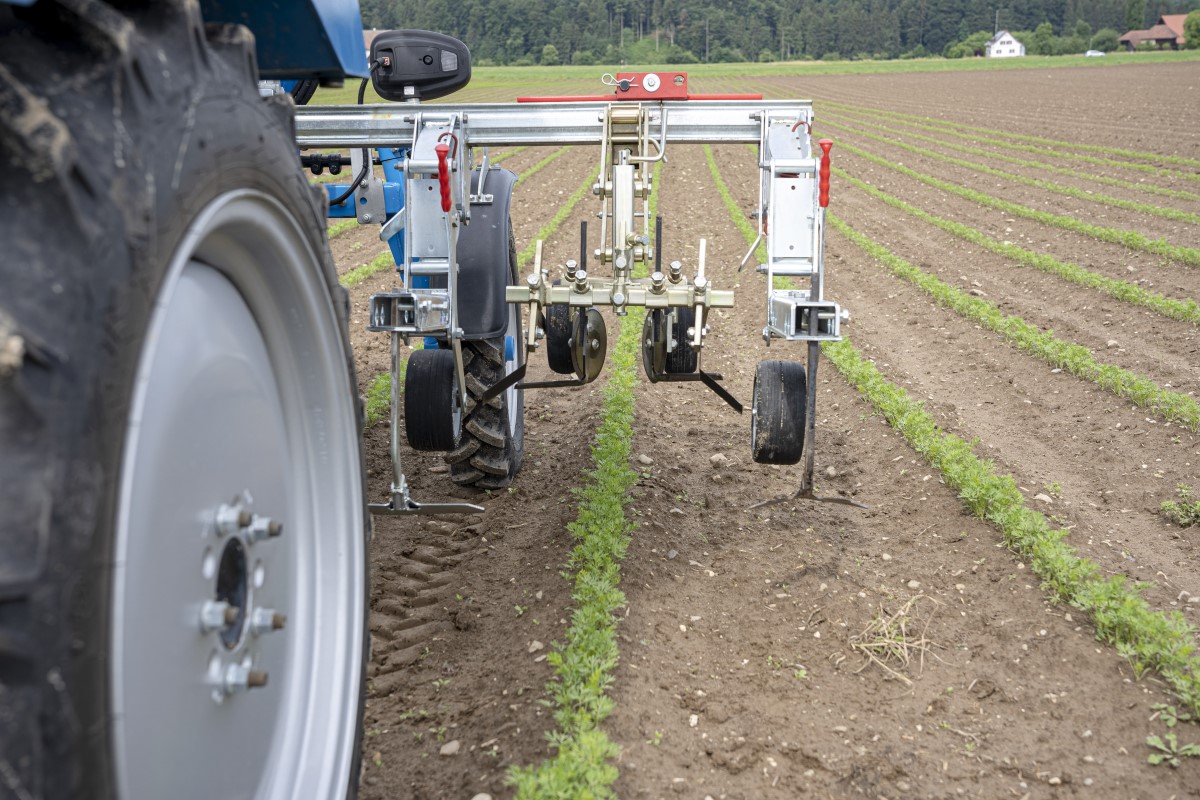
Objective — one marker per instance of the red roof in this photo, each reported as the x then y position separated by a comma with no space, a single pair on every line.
1169,28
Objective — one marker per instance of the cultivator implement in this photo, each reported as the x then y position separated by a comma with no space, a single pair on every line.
445,217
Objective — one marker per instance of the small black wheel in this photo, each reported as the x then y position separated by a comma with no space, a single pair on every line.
682,358
432,411
778,416
558,338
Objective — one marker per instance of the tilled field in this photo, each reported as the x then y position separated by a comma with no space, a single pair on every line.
743,670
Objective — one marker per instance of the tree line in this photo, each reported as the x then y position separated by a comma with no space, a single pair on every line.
687,31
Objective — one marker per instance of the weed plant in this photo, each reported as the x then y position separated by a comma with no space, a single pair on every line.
1184,512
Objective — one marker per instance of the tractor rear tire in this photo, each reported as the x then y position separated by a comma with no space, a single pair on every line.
174,363
778,416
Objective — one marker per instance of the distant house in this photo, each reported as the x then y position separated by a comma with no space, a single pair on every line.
1003,45
1167,31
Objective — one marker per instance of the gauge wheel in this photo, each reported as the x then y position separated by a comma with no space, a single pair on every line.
778,415
183,583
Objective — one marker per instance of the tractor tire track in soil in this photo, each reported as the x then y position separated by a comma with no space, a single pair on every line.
738,678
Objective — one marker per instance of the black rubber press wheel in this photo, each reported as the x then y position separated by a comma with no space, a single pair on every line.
778,416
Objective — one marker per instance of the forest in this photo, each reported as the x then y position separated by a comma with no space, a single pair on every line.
553,32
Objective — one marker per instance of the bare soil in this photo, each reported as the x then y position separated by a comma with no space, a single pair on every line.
739,675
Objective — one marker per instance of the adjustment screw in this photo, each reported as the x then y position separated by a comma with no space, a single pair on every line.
364,218
239,678
701,282
216,615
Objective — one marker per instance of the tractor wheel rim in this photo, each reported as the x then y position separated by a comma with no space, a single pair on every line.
241,404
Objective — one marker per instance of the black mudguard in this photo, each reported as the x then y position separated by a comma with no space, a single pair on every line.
484,268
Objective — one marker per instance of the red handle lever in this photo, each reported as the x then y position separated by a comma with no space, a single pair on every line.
442,151
825,144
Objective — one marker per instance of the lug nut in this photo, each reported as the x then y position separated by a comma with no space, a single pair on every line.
231,518
239,678
216,615
265,620
264,528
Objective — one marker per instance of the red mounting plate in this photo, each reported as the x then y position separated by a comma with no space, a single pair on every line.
652,86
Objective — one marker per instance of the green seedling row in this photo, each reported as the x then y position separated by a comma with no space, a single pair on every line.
1130,239
583,665
1056,352
560,216
1039,183
1045,151
1139,155
379,396
1148,188
1149,639
341,226
1183,310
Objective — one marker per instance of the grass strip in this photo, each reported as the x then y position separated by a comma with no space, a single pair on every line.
1183,310
1147,638
560,216
1130,239
1061,354
1139,155
1148,188
1039,183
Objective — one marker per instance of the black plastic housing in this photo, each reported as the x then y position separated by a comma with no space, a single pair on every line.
419,65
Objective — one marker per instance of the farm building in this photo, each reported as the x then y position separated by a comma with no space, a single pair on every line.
1167,31
1003,45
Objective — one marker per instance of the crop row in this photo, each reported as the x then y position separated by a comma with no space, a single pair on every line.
1038,183
1055,145
1130,239
1041,166
583,665
1164,642
1069,155
1184,310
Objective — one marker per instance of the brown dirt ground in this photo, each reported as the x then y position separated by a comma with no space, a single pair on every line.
738,678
